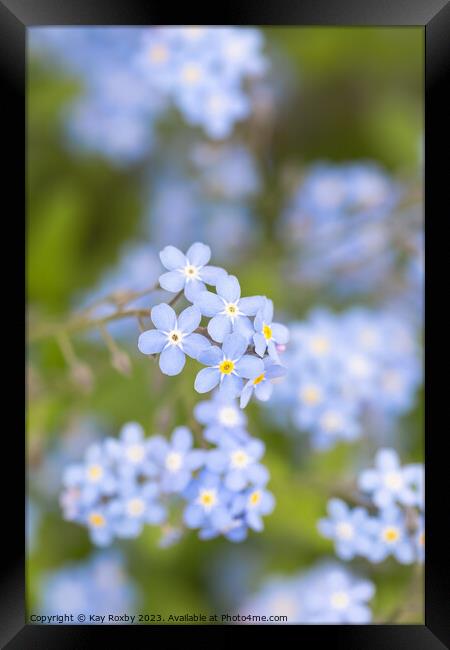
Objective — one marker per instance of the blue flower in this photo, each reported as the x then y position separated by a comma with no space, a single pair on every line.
390,536
208,503
176,460
348,529
190,271
228,366
268,334
238,462
262,385
222,418
252,505
227,310
135,506
389,483
173,337
92,479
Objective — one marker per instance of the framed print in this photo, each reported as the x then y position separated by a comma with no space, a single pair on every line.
227,425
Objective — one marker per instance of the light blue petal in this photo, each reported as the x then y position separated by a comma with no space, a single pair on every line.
234,346
172,281
172,258
193,289
206,380
212,274
387,460
274,371
337,509
208,303
267,311
163,317
228,288
155,514
132,432
244,327
172,360
258,474
254,521
256,448
260,344
231,386
216,461
236,480
264,390
189,319
182,439
246,394
193,516
220,518
198,254
193,344
280,333
250,306
249,367
211,356
218,327
151,342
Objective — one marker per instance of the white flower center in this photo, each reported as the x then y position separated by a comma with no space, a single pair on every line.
392,381
239,459
175,337
310,395
191,272
173,461
339,600
393,480
191,73
158,53
135,507
320,345
135,453
344,530
231,310
331,421
228,416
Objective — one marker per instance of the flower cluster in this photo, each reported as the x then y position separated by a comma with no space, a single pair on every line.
395,494
239,364
347,229
327,593
98,586
139,72
128,482
347,373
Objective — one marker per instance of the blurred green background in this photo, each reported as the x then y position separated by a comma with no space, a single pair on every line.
358,94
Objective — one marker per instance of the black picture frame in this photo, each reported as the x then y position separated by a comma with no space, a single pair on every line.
434,16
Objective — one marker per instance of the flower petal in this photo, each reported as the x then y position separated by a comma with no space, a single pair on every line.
172,258
228,288
249,367
198,254
244,327
211,356
218,327
182,438
172,281
212,274
206,380
151,342
163,317
193,288
267,311
260,344
231,386
193,344
234,346
249,306
280,333
189,319
208,303
246,394
172,360
264,390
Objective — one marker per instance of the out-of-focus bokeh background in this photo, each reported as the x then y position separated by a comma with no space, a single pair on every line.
309,190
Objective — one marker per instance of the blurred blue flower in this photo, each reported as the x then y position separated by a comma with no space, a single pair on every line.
390,536
347,528
173,337
189,272
238,463
251,505
229,365
262,385
227,310
389,483
222,417
208,505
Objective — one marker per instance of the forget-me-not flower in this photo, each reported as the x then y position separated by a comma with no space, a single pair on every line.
251,505
208,503
173,337
229,366
348,528
268,334
227,310
262,385
189,272
221,417
390,536
239,463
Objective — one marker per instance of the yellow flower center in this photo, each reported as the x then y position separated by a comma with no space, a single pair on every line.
310,395
255,498
173,461
267,331
231,309
207,498
226,367
191,74
339,600
97,520
158,54
135,507
259,378
391,534
95,472
320,345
